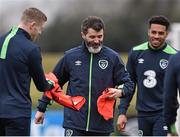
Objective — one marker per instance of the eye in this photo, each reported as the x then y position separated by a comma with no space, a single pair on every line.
153,32
92,37
161,33
100,36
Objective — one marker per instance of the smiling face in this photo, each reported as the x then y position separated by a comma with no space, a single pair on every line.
157,35
93,40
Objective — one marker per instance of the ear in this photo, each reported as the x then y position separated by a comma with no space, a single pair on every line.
32,24
82,35
148,32
167,32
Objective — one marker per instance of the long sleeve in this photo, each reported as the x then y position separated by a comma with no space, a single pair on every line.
124,102
36,70
171,84
61,72
122,77
62,77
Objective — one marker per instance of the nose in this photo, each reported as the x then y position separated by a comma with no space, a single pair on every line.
156,35
96,40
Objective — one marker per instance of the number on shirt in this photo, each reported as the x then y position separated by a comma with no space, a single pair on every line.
150,81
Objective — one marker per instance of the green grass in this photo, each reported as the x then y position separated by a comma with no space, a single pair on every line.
49,62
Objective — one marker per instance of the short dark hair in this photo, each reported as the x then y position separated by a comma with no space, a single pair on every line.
93,22
160,19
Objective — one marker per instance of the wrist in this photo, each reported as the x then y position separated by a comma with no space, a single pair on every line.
172,129
121,87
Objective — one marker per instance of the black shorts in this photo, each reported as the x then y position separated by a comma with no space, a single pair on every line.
74,132
15,126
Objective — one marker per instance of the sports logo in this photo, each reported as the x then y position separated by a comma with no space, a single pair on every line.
103,64
140,133
78,63
141,60
69,132
163,63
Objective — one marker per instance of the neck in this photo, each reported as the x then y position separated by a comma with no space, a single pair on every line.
24,27
156,48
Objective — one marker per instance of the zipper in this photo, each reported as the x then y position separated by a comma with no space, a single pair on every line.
89,99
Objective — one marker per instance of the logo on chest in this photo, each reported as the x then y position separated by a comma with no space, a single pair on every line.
141,60
78,63
103,64
163,63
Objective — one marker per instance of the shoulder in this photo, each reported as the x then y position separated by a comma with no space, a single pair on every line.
109,52
170,50
137,50
143,46
74,50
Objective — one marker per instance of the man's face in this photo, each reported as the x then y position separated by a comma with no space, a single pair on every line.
93,40
157,34
36,30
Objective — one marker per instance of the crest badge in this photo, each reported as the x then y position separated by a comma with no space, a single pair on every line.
163,63
103,64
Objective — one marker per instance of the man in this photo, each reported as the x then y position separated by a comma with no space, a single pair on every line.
146,64
20,60
89,68
171,84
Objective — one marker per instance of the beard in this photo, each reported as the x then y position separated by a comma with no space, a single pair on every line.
93,48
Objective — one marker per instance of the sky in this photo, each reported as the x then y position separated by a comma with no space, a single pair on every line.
11,10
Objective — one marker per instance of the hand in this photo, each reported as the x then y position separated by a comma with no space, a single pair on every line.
39,117
114,93
121,122
170,135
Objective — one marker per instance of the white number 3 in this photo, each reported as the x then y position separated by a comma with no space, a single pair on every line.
150,81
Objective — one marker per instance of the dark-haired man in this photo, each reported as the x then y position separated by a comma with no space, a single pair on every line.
90,68
146,64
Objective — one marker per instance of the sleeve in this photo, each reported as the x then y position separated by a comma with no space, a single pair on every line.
36,70
171,84
124,102
60,72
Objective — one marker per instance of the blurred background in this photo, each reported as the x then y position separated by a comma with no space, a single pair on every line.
126,26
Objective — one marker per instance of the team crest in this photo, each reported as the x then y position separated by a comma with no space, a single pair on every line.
163,63
103,64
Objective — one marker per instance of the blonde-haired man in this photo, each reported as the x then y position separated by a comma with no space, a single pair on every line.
20,60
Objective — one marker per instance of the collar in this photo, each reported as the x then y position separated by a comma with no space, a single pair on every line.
27,35
157,49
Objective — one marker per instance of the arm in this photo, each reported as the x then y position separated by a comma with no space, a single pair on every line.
171,84
122,78
124,102
36,70
61,75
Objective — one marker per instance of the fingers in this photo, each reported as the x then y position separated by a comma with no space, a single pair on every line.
39,120
121,127
39,117
114,93
121,122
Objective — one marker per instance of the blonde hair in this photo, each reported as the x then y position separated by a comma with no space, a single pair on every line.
33,14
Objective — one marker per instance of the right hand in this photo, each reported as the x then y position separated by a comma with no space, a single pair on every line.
39,117
121,122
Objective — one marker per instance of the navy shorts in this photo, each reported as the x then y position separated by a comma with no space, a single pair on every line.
15,126
75,132
152,126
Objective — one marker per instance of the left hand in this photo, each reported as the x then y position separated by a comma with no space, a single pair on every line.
39,117
114,93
